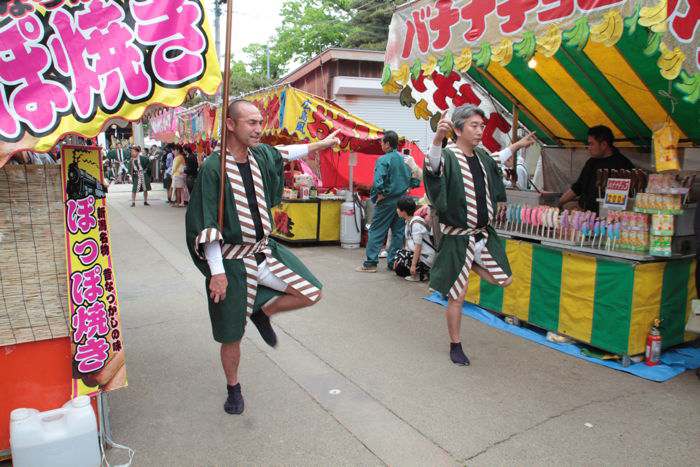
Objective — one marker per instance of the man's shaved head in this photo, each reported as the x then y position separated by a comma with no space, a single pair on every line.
234,108
244,122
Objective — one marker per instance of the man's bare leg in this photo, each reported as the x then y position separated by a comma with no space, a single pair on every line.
291,300
145,197
230,359
133,199
454,327
454,318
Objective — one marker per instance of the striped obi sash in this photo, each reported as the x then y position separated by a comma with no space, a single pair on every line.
250,247
471,231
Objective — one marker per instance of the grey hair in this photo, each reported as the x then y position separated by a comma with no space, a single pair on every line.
463,113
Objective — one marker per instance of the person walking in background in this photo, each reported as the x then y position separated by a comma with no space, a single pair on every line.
168,174
119,161
179,177
392,180
191,169
140,175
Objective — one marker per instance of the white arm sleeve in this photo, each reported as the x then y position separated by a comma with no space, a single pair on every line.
503,155
293,152
212,251
434,157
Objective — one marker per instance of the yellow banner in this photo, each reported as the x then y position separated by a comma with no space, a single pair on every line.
293,115
71,68
95,324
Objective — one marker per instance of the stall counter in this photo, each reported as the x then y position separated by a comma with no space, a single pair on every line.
307,221
609,303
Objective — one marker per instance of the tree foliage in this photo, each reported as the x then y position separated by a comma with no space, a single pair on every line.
308,27
369,24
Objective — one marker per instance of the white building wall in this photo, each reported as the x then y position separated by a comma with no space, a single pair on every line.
364,98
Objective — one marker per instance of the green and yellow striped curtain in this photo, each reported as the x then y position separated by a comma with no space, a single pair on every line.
607,303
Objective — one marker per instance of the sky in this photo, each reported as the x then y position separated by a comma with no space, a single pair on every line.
253,21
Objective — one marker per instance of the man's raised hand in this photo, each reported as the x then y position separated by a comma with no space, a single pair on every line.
444,128
332,139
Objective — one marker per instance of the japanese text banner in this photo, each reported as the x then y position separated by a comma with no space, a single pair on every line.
95,329
476,29
69,66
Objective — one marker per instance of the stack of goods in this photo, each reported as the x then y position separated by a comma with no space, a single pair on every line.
652,203
664,198
634,231
619,230
303,184
661,234
671,184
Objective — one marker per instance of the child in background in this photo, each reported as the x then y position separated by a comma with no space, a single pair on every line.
414,261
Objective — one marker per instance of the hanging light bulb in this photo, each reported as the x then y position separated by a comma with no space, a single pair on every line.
532,63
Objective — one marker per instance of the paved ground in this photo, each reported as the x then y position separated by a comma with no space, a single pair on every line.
400,400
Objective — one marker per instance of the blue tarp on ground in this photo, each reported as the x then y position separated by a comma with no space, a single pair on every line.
673,362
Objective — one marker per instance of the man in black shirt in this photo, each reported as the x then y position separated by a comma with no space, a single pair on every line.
604,155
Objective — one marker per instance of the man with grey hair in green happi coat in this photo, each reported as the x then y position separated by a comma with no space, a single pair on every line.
464,184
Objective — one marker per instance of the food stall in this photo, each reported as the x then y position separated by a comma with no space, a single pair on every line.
558,68
196,127
316,187
61,334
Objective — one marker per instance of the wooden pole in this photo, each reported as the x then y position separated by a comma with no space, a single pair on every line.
224,112
514,138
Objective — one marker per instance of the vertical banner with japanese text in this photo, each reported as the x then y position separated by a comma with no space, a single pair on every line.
95,329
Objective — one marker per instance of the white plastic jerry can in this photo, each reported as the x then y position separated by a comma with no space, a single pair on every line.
65,437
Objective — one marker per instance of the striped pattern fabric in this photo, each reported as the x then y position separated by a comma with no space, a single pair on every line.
141,186
250,247
487,260
609,304
208,235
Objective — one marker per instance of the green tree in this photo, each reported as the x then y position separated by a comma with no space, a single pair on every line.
257,63
244,82
310,26
369,24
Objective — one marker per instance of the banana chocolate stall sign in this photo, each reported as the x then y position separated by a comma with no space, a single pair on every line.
567,65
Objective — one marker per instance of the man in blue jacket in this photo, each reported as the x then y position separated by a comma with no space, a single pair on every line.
392,180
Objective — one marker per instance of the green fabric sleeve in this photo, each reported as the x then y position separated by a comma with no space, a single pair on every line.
275,169
202,211
436,186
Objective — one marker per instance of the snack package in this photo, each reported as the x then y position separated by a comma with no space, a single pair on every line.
662,224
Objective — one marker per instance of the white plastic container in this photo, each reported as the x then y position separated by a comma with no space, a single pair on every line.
65,437
350,225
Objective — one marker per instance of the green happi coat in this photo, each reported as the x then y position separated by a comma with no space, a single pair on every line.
136,185
445,190
228,317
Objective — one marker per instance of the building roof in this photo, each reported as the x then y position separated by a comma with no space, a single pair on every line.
332,53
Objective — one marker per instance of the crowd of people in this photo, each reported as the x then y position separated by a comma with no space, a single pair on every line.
175,165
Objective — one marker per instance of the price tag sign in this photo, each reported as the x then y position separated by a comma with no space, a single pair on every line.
616,193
